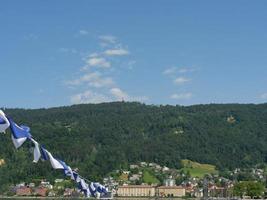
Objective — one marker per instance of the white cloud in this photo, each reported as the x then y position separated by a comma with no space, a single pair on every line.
98,62
182,96
83,32
175,70
116,52
263,96
120,95
169,71
184,70
181,80
89,79
92,55
108,38
102,82
93,79
89,97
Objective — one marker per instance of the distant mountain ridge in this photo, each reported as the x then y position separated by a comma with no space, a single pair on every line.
98,138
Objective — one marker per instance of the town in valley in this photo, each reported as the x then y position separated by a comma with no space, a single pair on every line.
146,179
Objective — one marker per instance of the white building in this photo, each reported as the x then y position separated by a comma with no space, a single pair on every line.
170,182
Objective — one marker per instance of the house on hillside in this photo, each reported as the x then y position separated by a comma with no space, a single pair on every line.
135,177
46,184
165,169
143,164
169,182
41,191
23,191
134,166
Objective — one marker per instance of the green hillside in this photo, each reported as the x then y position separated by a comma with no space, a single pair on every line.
149,178
196,169
98,138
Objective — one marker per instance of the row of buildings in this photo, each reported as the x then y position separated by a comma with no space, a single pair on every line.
43,189
170,191
28,191
150,191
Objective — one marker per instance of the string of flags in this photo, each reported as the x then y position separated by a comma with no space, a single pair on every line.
20,134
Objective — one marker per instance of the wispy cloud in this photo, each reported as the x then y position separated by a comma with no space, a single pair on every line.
182,96
120,95
169,71
117,94
108,38
177,70
89,97
83,32
97,73
93,79
185,70
116,52
92,55
98,62
181,80
264,96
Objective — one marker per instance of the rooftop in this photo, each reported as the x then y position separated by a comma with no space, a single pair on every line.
136,186
170,187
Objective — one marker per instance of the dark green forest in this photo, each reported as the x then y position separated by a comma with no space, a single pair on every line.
98,138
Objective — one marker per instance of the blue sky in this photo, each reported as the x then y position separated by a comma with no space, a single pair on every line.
186,52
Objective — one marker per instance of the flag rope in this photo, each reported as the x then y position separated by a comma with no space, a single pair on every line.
20,134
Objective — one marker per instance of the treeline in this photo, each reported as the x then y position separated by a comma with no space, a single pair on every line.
98,138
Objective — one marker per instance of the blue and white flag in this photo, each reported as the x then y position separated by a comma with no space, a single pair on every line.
100,188
46,155
84,184
4,123
85,188
36,151
67,170
92,189
19,133
87,193
76,177
22,133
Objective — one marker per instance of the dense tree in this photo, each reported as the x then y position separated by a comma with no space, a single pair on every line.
98,138
249,188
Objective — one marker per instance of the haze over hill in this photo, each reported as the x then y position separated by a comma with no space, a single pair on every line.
98,138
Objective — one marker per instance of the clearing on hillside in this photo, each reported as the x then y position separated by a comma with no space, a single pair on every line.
197,169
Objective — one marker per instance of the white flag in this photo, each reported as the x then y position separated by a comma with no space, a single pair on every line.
55,164
36,151
4,123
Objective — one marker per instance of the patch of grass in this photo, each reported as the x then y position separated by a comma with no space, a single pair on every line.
197,169
149,178
123,177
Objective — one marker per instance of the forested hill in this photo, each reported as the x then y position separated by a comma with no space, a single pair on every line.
102,137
